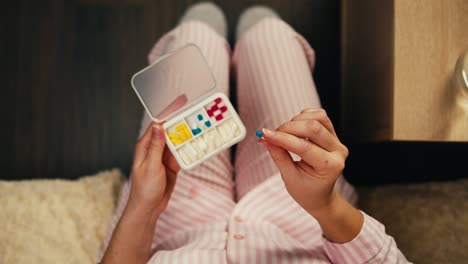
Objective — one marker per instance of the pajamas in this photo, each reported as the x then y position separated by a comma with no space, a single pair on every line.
220,213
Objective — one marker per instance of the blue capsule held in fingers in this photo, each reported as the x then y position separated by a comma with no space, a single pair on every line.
259,134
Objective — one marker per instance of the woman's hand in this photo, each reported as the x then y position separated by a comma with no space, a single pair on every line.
154,171
310,135
311,181
153,179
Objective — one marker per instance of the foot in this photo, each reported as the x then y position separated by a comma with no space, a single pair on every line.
208,13
252,16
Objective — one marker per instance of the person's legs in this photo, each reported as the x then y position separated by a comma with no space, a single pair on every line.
216,172
205,193
274,83
274,67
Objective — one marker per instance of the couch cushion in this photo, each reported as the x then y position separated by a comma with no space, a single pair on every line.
429,221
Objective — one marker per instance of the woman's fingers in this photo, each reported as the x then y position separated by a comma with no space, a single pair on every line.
281,157
170,183
314,131
316,114
170,161
141,148
320,159
157,145
150,145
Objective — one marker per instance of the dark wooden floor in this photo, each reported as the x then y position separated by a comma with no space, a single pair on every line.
68,109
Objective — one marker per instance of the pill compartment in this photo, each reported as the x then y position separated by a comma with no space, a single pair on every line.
190,153
217,110
210,141
229,130
179,133
198,123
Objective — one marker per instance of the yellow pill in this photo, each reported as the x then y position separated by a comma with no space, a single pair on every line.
187,133
172,135
176,138
176,141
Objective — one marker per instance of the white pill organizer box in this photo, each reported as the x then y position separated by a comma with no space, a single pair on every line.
180,90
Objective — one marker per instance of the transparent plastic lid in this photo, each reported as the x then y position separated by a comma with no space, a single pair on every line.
174,82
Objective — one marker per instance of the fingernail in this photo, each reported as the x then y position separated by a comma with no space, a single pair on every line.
157,132
268,132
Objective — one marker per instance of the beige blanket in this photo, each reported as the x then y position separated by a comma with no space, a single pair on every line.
56,221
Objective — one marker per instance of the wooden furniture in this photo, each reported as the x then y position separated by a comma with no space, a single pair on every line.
398,61
69,108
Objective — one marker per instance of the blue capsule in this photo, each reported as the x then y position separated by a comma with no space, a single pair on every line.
259,134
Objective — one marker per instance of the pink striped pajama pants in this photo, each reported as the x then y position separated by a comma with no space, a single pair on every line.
241,213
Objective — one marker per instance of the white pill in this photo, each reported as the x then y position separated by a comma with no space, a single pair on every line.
184,156
191,150
202,144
